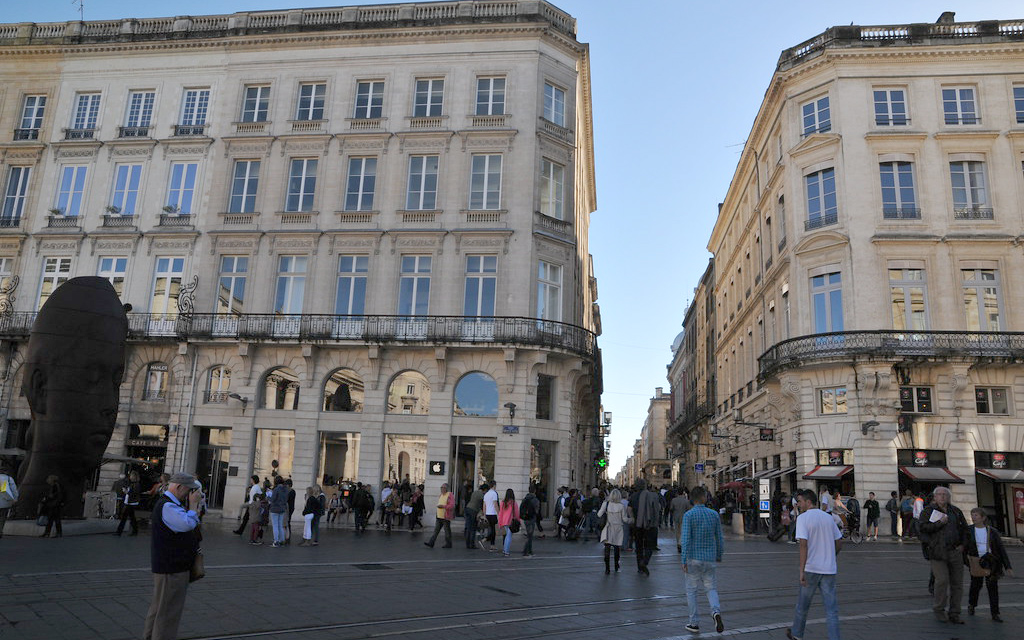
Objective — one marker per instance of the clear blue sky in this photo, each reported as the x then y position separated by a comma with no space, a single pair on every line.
676,85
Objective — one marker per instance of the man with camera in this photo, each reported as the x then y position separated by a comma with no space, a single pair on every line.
175,525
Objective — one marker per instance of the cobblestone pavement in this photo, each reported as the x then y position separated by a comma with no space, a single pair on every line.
379,586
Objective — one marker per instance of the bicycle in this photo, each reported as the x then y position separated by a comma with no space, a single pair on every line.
851,531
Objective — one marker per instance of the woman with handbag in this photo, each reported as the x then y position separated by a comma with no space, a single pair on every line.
508,519
988,561
612,534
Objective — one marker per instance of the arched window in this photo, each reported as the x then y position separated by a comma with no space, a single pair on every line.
409,393
156,382
280,390
343,391
218,384
476,394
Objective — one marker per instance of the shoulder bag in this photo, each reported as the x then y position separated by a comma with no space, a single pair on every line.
198,568
978,571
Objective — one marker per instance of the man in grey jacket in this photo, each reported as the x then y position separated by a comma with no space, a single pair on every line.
645,530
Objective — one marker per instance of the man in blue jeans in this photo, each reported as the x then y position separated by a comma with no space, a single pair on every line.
702,546
820,541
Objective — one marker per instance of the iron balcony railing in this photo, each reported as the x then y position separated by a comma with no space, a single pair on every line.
889,345
819,221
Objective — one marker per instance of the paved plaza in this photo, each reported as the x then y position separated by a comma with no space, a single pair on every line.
380,586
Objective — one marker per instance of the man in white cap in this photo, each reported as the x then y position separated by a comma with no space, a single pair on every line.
175,545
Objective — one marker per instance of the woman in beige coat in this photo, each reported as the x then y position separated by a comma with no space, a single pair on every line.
613,532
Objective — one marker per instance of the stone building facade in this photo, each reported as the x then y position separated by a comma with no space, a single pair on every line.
353,239
867,309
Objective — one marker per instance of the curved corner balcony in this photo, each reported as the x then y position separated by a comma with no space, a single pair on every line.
889,345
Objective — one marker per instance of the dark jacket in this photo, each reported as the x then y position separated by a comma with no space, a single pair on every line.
312,506
279,499
529,509
999,559
171,551
942,538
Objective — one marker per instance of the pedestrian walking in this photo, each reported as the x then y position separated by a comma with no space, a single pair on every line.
471,511
945,533
175,544
291,510
614,531
907,514
252,491
278,510
8,496
131,493
702,548
52,506
445,513
259,517
508,520
893,508
915,523
333,507
645,534
820,542
529,512
308,511
491,511
418,507
985,551
677,509
872,510
362,506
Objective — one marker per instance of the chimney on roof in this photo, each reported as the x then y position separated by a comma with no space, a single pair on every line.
947,17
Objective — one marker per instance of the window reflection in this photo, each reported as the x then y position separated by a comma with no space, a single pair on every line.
280,390
476,394
409,394
343,392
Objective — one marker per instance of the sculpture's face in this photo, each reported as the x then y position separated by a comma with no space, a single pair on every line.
73,370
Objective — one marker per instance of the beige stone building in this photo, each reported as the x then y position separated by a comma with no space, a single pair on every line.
867,304
354,239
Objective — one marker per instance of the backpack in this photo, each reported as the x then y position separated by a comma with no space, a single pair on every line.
527,511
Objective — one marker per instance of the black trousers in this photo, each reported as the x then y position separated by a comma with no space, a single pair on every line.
992,584
128,513
493,530
646,540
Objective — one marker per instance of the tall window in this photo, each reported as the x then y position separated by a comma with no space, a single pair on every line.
429,98
256,105
14,195
114,269
231,286
71,190
361,184
244,185
982,299
490,96
827,302
87,111
831,400
552,189
890,107
194,107
311,101
32,112
422,193
167,285
1018,103
56,271
219,384
351,292
414,286
301,184
156,382
959,106
816,116
898,197
182,187
554,104
481,283
822,207
970,191
369,99
992,400
140,109
6,271
125,196
908,294
549,291
485,183
291,284
545,395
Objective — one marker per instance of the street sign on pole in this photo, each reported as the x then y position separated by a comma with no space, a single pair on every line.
698,467
764,495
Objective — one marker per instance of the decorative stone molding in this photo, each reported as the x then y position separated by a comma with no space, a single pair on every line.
310,354
114,244
363,143
11,245
340,243
246,351
431,240
76,152
510,370
561,154
228,243
470,241
373,354
497,141
247,147
186,148
291,243
552,250
60,245
441,356
305,146
171,244
131,150
21,154
438,142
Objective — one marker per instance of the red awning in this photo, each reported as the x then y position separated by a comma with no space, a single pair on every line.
828,472
1003,475
931,474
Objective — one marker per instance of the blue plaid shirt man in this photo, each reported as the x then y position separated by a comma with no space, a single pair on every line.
702,535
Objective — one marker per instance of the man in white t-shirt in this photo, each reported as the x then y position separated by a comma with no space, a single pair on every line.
820,541
825,500
384,493
491,511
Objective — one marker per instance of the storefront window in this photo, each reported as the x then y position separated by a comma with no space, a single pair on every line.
832,457
542,459
473,464
344,392
339,457
409,394
476,394
405,455
274,453
212,463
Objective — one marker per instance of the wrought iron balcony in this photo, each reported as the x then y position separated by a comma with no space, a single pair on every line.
26,134
133,132
820,221
189,129
901,213
338,328
973,213
889,345
79,134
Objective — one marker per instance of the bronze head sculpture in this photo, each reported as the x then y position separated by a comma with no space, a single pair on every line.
72,375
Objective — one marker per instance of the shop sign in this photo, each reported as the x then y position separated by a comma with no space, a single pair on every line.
921,458
835,457
145,442
1018,504
998,460
767,435
437,467
698,467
